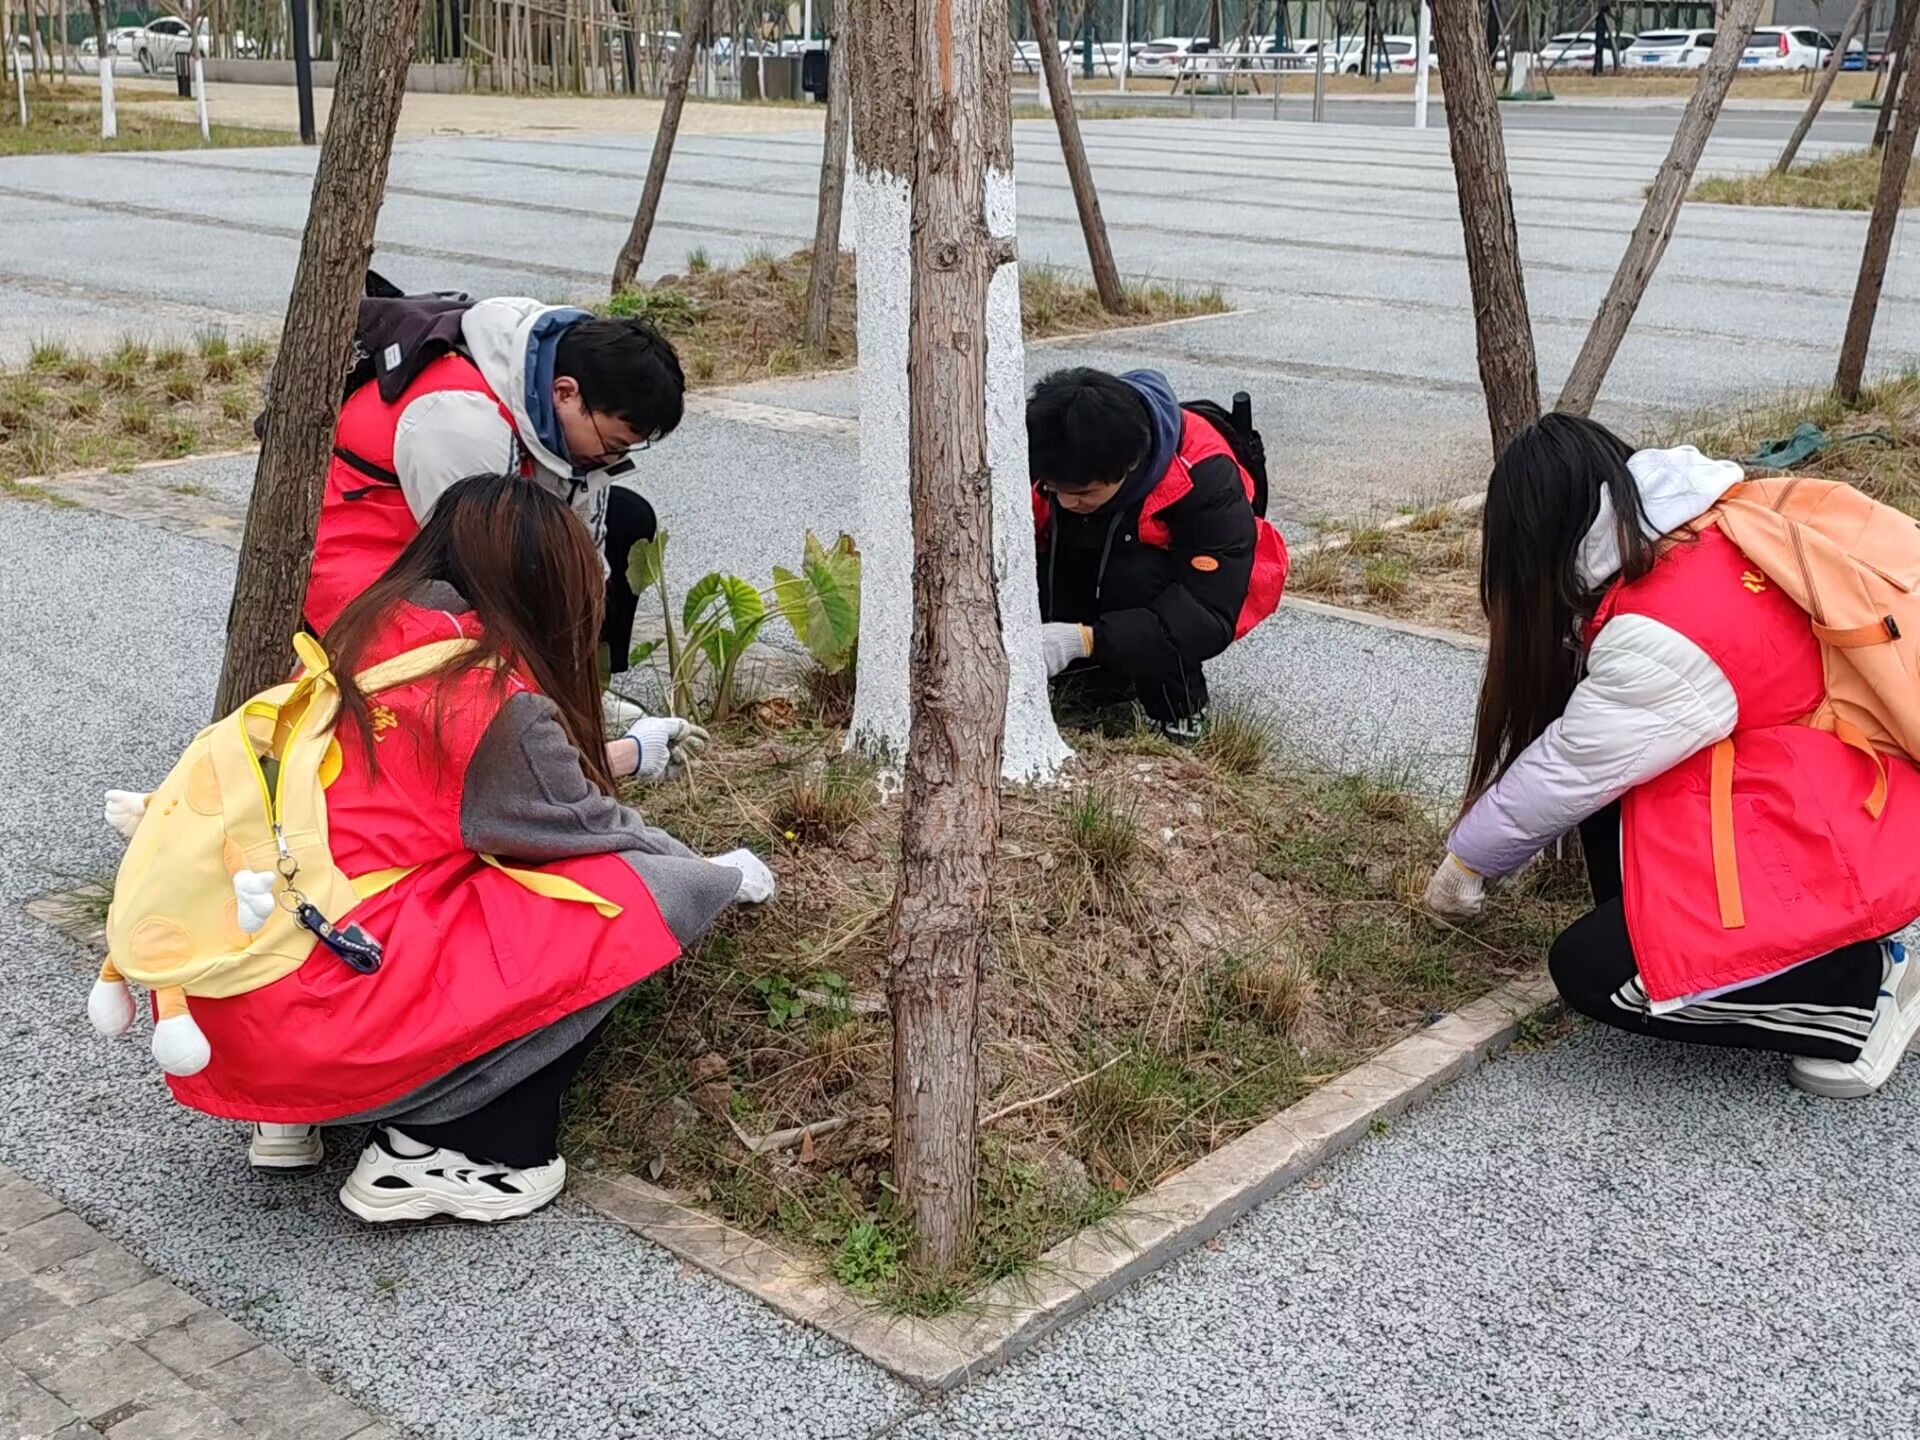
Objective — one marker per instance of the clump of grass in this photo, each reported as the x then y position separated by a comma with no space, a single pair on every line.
219,368
1314,573
179,437
823,802
82,404
1848,181
135,419
1429,518
179,386
1239,739
213,345
671,311
1367,540
1386,579
130,353
1102,828
1277,988
251,350
77,370
702,366
235,407
47,356
119,375
170,356
698,262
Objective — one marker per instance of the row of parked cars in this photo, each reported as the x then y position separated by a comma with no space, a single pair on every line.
1771,47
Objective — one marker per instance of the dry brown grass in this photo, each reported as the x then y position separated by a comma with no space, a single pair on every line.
65,410
1205,936
65,119
749,322
1423,567
1837,182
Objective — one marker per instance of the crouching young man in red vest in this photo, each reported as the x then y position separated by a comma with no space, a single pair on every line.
1152,557
502,386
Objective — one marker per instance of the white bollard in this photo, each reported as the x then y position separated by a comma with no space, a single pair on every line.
1126,42
200,93
1420,44
19,78
109,121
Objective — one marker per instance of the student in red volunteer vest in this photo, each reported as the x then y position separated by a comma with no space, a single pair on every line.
1628,638
545,392
460,1047
1151,558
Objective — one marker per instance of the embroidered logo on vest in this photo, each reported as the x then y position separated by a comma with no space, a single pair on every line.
383,720
1753,580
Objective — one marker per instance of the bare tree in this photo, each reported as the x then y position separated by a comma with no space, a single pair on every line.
1502,330
1823,86
303,404
627,265
1661,212
1904,13
824,273
1896,161
1106,275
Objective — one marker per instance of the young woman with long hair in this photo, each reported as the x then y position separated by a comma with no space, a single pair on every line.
1635,655
527,898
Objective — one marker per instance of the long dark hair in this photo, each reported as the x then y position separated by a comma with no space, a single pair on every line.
1542,499
521,558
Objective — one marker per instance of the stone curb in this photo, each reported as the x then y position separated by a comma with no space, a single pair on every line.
1010,1316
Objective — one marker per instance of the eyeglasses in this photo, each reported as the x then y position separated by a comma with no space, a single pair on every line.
610,452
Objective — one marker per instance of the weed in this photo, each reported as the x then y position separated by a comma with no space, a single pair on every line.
188,487
213,345
170,356
1239,738
136,419
671,311
47,356
235,407
1367,540
1276,987
702,366
1101,826
1429,518
180,387
180,437
219,368
130,353
823,802
82,404
119,375
1386,579
698,262
251,350
77,370
867,1259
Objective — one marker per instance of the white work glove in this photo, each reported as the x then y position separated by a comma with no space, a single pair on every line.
668,745
756,880
1455,892
1063,643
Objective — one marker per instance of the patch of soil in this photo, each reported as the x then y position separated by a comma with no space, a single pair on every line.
1423,567
1184,942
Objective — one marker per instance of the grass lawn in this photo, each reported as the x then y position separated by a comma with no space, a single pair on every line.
65,120
1846,181
1426,567
1184,942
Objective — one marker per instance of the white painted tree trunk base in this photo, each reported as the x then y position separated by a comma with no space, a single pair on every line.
109,119
1032,750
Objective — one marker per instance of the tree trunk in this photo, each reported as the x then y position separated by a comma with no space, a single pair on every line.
951,820
635,250
1823,86
303,404
1905,12
880,196
1502,330
1896,160
824,272
1661,212
1106,275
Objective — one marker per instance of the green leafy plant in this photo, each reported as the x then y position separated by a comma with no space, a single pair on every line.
867,1259
718,621
822,601
777,992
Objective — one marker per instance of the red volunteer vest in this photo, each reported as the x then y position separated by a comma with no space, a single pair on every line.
472,960
365,521
1803,868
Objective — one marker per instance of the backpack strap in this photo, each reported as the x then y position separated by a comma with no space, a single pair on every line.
410,665
1726,869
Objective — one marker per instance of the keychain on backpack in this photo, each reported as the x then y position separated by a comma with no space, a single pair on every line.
360,951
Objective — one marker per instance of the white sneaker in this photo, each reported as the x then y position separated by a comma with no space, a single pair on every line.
285,1147
401,1179
1896,1021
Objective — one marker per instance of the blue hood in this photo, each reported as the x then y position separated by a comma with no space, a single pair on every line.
543,340
1168,420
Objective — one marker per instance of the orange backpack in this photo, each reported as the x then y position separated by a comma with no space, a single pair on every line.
1853,565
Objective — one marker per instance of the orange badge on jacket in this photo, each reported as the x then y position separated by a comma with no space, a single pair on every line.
1205,562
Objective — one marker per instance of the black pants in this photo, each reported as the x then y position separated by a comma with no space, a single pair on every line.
518,1128
1085,689
1820,1009
630,522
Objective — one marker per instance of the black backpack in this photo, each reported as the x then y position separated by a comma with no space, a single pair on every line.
1236,428
395,337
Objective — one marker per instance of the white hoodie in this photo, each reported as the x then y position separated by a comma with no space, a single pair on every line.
1649,699
446,436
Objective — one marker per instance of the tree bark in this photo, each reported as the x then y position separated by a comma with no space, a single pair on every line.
1106,275
635,250
316,340
1896,160
1822,87
1905,13
1502,330
824,272
1661,212
951,818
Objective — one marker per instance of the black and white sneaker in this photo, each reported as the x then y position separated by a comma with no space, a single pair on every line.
285,1149
401,1179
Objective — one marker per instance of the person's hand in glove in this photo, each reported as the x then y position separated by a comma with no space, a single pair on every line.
1455,892
756,880
1063,643
664,745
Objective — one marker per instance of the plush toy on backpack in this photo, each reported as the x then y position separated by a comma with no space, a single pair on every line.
228,883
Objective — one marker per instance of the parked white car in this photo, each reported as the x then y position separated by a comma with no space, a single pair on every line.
1162,58
1574,50
1786,47
1393,54
1670,50
155,44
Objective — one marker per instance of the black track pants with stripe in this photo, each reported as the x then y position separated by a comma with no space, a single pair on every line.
1821,1008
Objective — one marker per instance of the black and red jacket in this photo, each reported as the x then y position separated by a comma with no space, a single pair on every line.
1175,567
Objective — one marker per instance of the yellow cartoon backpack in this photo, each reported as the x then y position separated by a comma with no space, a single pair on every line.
227,883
